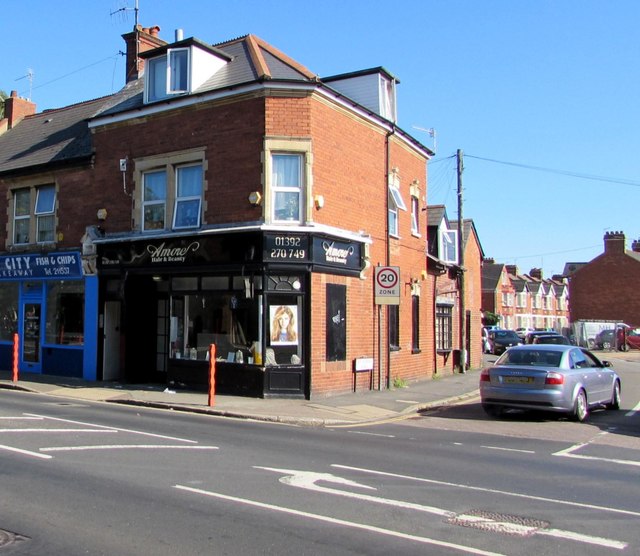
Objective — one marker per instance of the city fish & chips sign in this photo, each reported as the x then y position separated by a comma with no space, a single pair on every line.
41,266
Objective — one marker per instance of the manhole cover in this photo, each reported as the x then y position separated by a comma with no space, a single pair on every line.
8,538
499,523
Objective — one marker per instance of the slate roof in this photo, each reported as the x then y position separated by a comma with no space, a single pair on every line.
53,137
491,274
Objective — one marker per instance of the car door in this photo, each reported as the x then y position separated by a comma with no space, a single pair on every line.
604,378
586,374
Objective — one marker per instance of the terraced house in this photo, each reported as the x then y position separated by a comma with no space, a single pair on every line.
226,196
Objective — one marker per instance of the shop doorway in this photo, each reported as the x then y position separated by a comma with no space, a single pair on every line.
111,356
31,327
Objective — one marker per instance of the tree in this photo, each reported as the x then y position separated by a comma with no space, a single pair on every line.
3,95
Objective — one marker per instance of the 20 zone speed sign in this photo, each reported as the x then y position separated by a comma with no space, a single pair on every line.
387,285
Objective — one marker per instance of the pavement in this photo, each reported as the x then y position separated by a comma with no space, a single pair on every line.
361,407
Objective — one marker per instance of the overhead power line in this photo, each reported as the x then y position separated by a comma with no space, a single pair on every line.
559,172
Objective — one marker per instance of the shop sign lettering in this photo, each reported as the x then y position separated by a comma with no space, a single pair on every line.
335,254
171,254
52,265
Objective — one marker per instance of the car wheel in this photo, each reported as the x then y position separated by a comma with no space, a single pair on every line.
492,410
580,408
615,397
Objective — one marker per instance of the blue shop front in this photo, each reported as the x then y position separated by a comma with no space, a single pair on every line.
49,306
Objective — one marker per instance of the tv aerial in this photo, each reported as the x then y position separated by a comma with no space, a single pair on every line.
28,76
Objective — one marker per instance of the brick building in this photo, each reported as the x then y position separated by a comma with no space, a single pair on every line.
226,195
606,287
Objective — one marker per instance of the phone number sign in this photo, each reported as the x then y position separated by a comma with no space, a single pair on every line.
387,285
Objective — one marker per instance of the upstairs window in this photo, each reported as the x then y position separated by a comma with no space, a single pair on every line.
415,215
168,75
37,221
21,216
154,204
45,213
287,187
188,197
395,203
449,246
171,197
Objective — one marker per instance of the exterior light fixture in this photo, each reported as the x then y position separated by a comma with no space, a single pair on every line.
255,198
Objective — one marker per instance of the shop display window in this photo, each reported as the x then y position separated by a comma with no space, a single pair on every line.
8,310
65,313
227,319
284,346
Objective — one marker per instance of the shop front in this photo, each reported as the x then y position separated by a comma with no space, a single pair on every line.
49,307
167,300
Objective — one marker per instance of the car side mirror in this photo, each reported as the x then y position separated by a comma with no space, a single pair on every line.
606,363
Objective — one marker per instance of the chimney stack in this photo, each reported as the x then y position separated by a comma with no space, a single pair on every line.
140,40
635,246
512,269
16,109
536,273
614,243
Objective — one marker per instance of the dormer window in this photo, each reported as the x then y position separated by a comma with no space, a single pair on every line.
180,70
168,75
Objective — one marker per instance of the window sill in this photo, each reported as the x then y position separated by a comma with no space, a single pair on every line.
444,351
415,351
394,348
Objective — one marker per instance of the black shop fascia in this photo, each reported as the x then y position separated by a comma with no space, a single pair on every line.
246,293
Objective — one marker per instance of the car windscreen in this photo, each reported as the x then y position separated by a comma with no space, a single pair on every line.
530,357
506,334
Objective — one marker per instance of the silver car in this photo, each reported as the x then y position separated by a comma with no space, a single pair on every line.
549,377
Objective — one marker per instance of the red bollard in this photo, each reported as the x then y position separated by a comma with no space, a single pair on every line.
212,374
16,343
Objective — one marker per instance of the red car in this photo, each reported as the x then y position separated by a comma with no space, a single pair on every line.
633,339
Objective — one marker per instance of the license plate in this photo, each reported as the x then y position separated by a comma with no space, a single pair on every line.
517,379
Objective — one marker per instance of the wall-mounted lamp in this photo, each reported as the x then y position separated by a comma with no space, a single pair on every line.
318,200
423,274
102,214
255,198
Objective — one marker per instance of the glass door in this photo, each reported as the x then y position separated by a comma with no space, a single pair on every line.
31,336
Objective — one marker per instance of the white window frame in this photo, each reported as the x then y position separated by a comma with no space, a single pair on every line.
45,213
395,203
154,202
174,66
415,215
294,189
450,237
21,217
187,199
162,72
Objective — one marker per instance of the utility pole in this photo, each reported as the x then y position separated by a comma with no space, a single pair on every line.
463,309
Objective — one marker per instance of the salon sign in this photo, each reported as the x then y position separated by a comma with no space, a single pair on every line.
42,266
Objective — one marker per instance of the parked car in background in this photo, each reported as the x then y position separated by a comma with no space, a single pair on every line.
605,339
523,331
557,339
633,339
501,340
546,377
536,333
486,346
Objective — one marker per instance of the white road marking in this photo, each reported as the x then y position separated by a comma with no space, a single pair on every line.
372,434
114,428
568,452
307,480
58,430
126,446
633,411
20,418
335,521
508,449
24,452
491,490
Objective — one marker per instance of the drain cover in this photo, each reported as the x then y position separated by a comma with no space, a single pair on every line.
7,538
499,523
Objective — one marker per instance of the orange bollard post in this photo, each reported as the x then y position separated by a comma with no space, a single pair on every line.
212,375
16,343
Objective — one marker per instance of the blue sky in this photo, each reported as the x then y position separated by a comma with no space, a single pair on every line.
542,97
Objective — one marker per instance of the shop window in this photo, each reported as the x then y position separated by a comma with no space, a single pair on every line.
226,319
34,221
65,313
284,346
444,329
8,310
336,326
